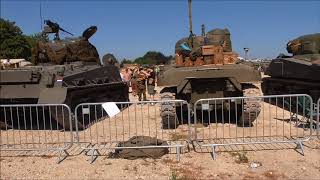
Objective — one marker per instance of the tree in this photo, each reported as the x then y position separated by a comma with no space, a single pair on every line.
13,44
34,38
153,57
125,61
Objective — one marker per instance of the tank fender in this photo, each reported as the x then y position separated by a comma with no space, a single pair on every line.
236,83
169,89
182,85
52,95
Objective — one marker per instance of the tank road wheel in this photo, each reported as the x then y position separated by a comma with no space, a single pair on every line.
251,107
169,119
61,116
251,111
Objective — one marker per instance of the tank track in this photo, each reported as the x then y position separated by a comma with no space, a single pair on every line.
251,107
168,112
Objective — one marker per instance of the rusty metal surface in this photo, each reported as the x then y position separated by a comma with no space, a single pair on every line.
59,51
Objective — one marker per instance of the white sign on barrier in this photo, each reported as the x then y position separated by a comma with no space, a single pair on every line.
205,106
85,111
111,108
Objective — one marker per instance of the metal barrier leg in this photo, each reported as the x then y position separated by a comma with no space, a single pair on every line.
63,154
213,154
300,146
94,153
178,153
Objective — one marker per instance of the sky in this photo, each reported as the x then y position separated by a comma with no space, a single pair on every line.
129,28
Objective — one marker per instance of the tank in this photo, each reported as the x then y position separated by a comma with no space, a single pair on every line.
68,72
296,74
206,67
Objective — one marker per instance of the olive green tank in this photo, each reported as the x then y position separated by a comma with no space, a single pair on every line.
206,67
296,74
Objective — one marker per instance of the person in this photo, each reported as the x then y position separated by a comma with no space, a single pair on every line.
122,75
133,81
6,64
157,72
141,84
151,83
126,75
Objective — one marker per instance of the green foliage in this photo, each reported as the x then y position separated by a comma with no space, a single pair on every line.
125,61
173,176
153,57
13,44
33,38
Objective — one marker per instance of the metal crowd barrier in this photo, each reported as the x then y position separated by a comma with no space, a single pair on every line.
275,119
96,131
318,119
36,127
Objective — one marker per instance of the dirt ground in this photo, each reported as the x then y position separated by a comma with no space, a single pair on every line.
270,161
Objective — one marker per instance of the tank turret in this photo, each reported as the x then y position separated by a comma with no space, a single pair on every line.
60,51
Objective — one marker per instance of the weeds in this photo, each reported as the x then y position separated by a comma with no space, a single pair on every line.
241,157
168,161
173,175
178,136
184,173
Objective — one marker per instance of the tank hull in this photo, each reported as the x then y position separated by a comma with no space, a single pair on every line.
84,84
293,75
210,81
278,86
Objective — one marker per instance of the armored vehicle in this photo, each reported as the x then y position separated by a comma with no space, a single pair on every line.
206,67
67,72
296,74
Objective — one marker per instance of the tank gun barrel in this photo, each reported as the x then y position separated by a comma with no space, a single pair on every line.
65,31
55,28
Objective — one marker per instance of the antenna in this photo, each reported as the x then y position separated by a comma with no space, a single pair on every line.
190,16
40,15
190,24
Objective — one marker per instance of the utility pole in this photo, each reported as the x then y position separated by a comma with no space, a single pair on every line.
203,30
246,50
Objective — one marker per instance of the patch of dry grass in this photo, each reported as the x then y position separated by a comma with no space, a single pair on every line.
175,136
185,173
274,175
241,157
168,161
